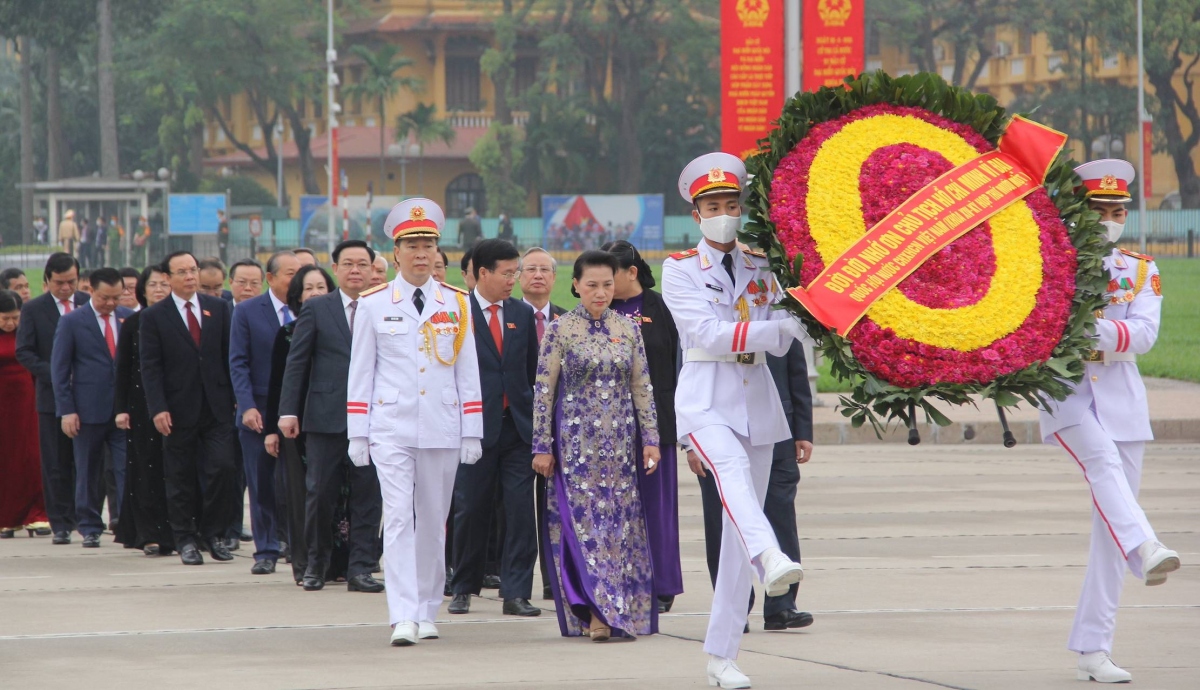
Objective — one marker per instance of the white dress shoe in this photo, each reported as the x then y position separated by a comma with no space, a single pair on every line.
724,673
1098,667
404,634
426,630
779,572
1157,561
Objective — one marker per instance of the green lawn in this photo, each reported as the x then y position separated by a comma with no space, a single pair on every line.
1176,355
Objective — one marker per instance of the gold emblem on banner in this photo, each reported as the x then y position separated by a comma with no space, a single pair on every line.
834,12
1108,182
753,13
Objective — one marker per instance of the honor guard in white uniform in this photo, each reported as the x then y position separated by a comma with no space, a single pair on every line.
1104,427
726,405
414,407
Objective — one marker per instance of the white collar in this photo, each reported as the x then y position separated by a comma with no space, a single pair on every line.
483,303
179,301
276,303
545,311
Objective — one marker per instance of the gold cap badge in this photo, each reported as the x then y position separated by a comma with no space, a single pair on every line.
1108,182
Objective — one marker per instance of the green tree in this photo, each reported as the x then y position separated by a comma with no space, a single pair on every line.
1084,105
1172,51
498,63
967,26
380,84
243,190
422,126
266,50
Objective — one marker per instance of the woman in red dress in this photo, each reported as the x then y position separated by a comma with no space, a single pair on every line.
21,502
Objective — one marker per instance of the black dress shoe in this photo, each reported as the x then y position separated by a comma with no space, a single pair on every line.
313,581
264,567
61,538
150,549
665,603
219,551
363,582
461,603
547,593
190,555
520,607
244,536
7,533
787,619
91,541
232,543
285,552
491,582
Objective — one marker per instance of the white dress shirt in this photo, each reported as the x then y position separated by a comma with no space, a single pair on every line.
62,309
279,307
545,311
195,302
101,319
346,300
484,304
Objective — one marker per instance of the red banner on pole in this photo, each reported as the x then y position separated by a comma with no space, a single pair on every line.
751,72
833,41
1147,157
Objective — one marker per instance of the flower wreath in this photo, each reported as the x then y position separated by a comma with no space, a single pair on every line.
1004,312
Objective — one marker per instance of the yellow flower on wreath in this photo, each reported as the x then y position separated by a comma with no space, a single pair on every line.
835,220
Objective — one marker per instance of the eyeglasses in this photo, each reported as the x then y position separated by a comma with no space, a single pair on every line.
360,265
186,271
245,283
511,275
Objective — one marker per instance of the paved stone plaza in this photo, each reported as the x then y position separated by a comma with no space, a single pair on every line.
953,566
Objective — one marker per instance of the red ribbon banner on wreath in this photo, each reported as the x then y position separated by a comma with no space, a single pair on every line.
939,213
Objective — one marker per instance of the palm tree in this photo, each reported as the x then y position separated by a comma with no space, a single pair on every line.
381,84
422,124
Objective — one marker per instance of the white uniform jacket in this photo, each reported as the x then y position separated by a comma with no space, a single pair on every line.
1129,327
708,312
406,382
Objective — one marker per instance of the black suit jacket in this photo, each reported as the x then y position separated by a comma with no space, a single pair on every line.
513,374
175,371
35,342
791,378
318,366
662,357
556,311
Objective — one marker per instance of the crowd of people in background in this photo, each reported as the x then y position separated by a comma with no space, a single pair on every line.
181,391
586,235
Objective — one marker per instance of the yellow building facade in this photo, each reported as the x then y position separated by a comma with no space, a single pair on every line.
1025,62
445,41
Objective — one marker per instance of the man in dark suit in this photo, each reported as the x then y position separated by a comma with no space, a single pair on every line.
506,342
83,368
245,282
314,384
538,273
185,370
251,339
35,342
790,373
212,279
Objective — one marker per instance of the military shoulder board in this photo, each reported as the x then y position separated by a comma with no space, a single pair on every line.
1143,257
455,288
685,254
370,291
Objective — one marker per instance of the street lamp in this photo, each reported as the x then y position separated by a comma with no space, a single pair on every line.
1108,146
403,151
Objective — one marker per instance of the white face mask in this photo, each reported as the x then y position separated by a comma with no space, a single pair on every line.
1114,229
721,229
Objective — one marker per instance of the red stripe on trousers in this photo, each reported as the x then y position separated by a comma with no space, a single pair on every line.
1089,481
721,492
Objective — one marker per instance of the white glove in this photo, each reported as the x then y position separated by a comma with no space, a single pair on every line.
792,329
360,452
471,451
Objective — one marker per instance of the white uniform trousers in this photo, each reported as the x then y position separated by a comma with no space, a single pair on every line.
1113,470
417,484
742,472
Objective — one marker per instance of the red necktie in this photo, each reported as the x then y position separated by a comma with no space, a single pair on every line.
541,324
110,336
66,306
193,323
498,337
495,326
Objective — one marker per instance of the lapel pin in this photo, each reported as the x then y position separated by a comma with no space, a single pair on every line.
512,326
207,312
